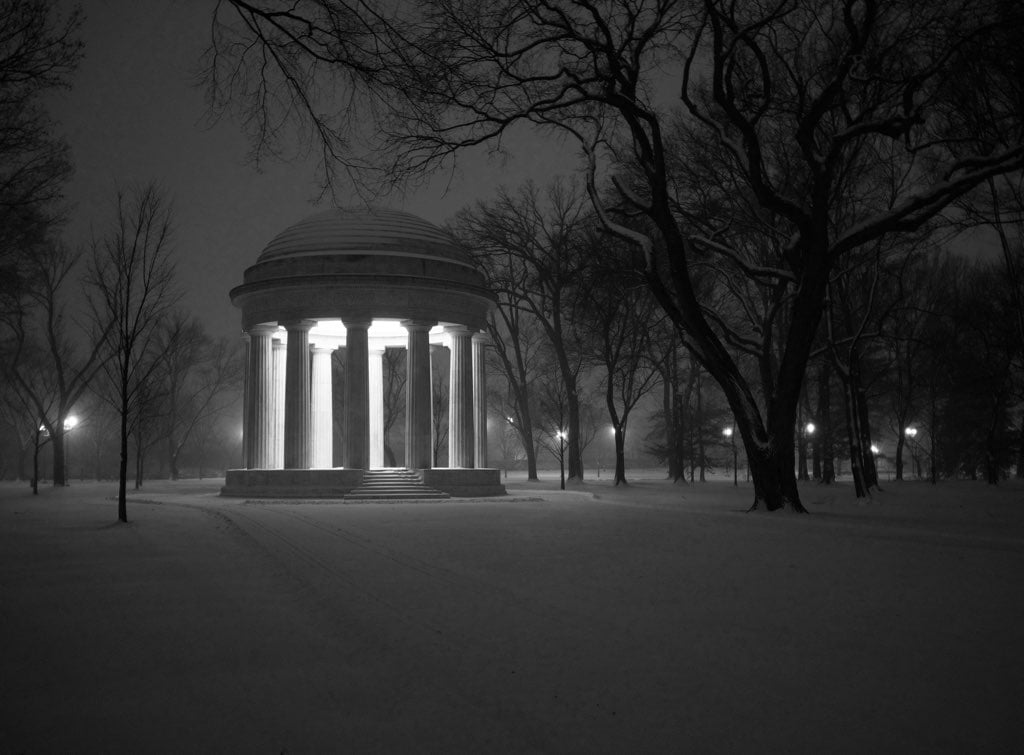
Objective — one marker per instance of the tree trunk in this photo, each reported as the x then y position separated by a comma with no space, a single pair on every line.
774,478
899,455
620,455
864,427
668,408
60,478
172,458
122,480
801,458
823,438
35,462
853,436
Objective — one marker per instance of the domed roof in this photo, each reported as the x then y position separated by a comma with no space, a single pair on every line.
364,231
364,264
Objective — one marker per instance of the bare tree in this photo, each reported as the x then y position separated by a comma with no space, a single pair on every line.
200,379
530,245
49,364
39,49
623,314
517,359
132,274
796,96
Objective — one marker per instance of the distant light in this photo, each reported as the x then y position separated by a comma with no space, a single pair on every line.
910,432
810,428
874,448
611,430
727,432
561,435
510,420
70,422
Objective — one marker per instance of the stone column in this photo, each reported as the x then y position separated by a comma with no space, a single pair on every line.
246,408
280,362
460,398
357,395
322,410
296,401
376,408
480,400
417,395
437,357
260,426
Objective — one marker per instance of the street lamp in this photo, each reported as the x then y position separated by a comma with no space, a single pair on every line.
561,435
70,423
910,433
728,433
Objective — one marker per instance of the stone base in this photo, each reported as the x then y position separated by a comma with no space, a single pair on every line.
290,483
465,483
336,483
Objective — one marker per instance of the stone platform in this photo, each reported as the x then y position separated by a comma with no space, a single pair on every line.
340,483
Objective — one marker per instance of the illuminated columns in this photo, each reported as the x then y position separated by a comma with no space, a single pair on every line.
357,395
260,425
376,372
280,352
296,403
322,410
480,400
417,395
246,393
460,398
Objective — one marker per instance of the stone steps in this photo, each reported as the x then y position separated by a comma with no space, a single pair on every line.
393,485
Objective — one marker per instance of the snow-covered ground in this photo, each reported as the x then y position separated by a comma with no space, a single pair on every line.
654,618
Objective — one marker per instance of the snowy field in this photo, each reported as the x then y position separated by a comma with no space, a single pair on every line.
655,618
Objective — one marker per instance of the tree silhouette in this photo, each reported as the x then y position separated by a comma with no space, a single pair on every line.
132,274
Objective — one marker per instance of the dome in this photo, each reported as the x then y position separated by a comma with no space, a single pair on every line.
364,231
364,264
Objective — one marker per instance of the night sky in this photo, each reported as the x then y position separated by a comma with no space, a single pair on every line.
136,113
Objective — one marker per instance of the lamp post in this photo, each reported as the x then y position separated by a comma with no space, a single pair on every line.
910,433
728,433
70,423
808,431
561,435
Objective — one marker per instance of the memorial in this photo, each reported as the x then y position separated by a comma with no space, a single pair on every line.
363,280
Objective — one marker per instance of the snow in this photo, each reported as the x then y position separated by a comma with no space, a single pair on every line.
655,618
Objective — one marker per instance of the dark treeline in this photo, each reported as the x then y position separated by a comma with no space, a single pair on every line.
915,370
96,357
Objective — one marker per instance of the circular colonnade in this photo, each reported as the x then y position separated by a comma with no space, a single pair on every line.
361,280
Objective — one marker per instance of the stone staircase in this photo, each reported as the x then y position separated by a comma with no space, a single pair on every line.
393,485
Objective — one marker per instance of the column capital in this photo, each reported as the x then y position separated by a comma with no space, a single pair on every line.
297,325
418,325
356,322
482,338
458,330
315,349
263,329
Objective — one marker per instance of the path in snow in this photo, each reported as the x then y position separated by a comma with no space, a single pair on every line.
656,618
